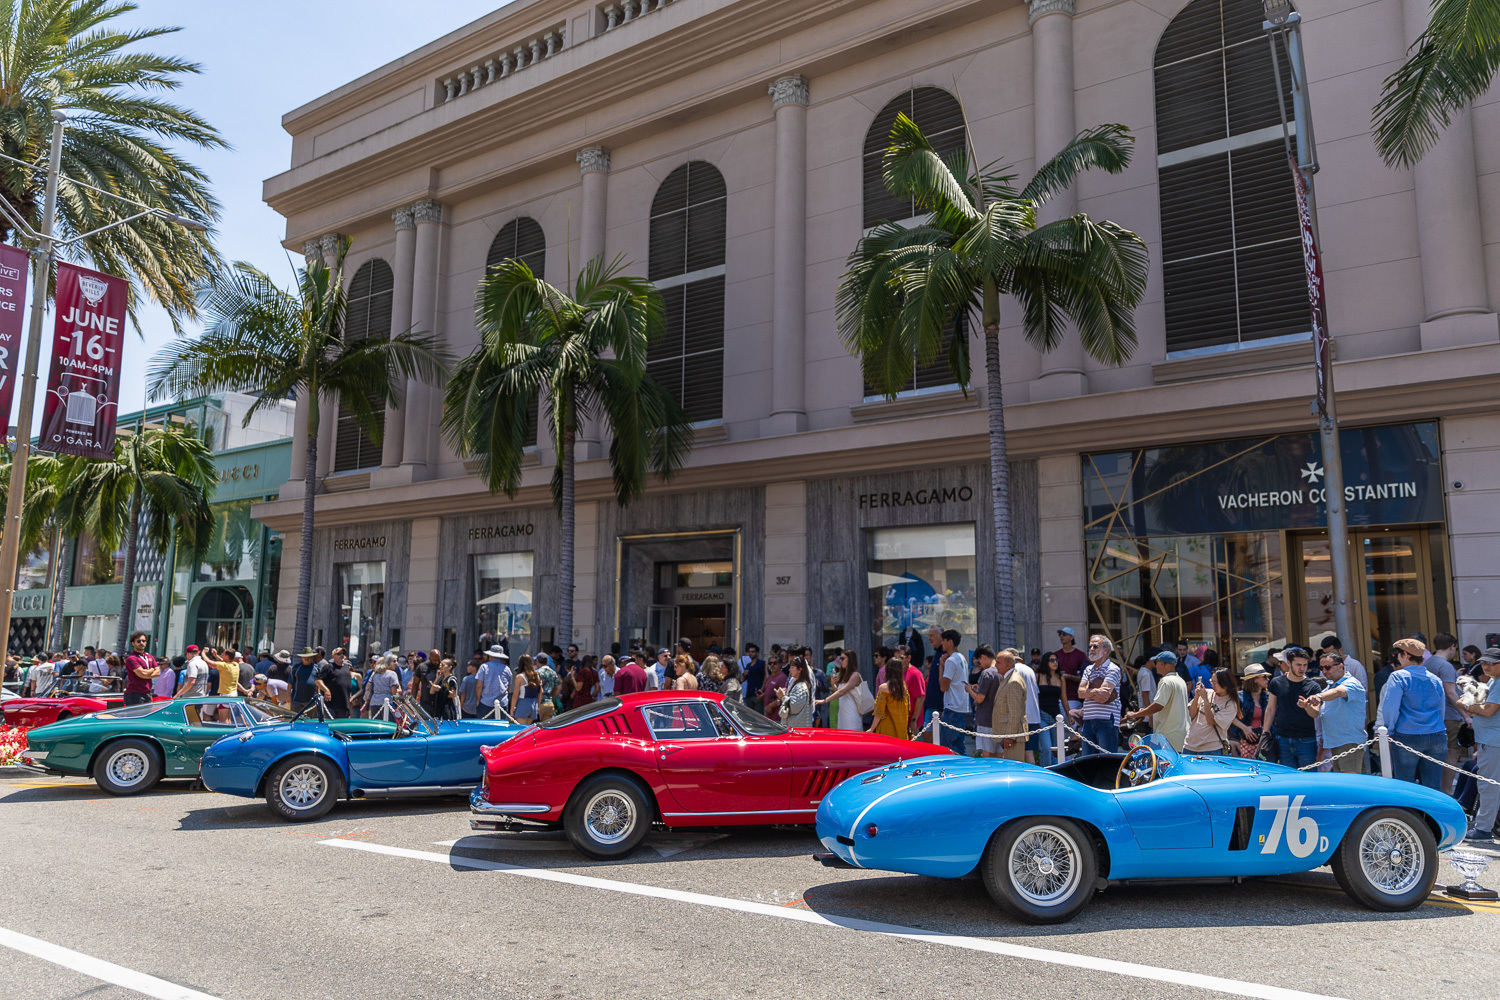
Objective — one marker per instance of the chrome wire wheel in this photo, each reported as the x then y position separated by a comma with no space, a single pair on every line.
1043,864
1391,855
128,767
609,816
303,787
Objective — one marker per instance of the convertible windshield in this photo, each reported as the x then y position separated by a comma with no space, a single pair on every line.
752,721
592,710
265,712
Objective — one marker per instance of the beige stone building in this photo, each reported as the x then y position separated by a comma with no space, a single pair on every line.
729,149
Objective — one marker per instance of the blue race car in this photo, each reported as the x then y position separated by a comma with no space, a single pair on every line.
305,765
1044,839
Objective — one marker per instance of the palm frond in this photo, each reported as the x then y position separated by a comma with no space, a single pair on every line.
1107,147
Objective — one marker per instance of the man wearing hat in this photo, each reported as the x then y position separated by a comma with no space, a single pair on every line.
493,680
1486,721
1071,661
1412,705
305,683
1168,711
194,675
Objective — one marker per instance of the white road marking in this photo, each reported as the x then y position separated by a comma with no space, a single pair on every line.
97,968
1086,962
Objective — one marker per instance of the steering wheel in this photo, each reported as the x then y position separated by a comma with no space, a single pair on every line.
1138,767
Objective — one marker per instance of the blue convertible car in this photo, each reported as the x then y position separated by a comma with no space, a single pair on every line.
304,766
1045,839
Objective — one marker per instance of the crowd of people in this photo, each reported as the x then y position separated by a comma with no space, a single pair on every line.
1295,706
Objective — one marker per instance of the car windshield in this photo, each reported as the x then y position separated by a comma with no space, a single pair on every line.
592,710
752,721
412,716
265,712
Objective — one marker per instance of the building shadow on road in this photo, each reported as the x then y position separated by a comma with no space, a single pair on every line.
255,812
549,849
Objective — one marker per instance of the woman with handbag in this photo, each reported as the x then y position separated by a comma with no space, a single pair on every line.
852,693
1213,714
1254,694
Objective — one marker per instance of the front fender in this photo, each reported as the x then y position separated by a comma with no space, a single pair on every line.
548,773
239,768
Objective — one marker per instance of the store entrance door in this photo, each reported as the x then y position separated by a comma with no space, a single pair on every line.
1392,590
703,626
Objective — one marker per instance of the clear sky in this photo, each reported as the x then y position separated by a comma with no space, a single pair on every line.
260,59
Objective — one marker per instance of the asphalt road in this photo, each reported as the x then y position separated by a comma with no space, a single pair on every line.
209,893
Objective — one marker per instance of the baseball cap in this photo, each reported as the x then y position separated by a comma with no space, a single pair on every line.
1067,631
191,649
1165,656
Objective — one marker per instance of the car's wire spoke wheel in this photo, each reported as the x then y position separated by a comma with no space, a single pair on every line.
609,816
128,768
1044,864
303,786
1391,856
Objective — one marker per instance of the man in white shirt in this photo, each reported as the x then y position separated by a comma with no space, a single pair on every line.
958,710
194,675
607,668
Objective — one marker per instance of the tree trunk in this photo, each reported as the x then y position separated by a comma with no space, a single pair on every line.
1005,581
565,560
55,639
309,498
127,599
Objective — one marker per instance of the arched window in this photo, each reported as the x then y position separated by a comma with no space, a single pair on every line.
368,315
1231,251
687,265
521,239
940,117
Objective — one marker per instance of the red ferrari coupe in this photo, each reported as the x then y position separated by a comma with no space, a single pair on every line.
606,772
28,713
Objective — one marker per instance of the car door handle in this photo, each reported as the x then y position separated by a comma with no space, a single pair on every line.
667,748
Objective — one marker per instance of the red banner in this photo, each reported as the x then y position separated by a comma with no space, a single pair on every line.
83,391
13,266
1313,265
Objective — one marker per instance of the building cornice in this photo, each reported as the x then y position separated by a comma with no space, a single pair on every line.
580,84
1454,382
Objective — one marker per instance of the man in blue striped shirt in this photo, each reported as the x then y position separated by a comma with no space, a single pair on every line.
1411,709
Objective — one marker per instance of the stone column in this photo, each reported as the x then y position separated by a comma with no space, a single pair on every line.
789,99
786,567
391,446
1052,126
1060,533
593,165
312,251
428,216
1456,306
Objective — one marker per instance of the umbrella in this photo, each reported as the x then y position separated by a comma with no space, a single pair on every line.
510,595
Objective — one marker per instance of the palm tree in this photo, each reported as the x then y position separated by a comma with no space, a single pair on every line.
1450,64
264,340
587,356
65,56
159,479
56,504
906,288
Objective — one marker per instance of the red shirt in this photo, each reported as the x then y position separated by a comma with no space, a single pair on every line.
630,679
135,684
916,687
585,685
1072,662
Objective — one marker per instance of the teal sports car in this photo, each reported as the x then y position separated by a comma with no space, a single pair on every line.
128,750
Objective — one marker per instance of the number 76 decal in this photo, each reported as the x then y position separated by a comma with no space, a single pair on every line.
1302,835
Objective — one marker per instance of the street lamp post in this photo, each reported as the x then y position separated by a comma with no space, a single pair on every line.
1284,23
41,271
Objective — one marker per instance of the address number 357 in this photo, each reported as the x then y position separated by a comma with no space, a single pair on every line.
1302,834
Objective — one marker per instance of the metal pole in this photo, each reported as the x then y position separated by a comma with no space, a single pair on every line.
1061,739
41,271
1384,736
937,726
1289,27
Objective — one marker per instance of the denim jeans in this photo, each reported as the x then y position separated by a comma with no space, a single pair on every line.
1040,743
1297,751
1409,767
952,738
1105,732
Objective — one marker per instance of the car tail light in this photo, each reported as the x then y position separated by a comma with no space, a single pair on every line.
871,830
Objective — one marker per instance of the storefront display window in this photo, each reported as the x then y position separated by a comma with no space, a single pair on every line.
502,598
362,611
235,545
35,570
922,578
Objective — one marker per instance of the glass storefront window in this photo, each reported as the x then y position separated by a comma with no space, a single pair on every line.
502,597
35,570
93,565
235,546
704,574
362,607
922,578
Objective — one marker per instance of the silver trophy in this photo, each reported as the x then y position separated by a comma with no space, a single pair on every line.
1470,866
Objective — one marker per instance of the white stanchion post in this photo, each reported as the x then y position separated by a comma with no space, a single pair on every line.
1060,741
937,726
1383,735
